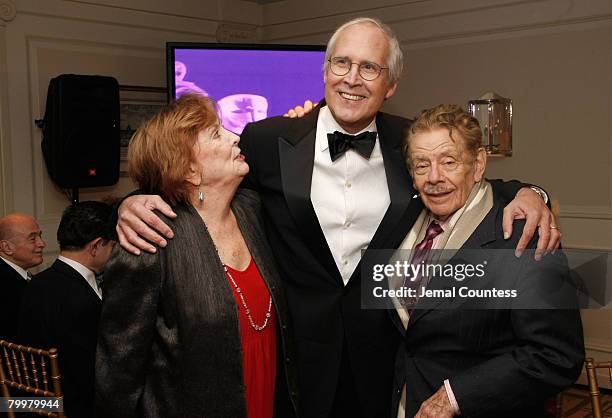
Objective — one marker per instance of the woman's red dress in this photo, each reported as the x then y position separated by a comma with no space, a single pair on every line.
258,347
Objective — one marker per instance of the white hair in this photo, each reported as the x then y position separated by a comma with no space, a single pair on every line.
395,57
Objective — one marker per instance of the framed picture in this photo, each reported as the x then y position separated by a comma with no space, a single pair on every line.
138,104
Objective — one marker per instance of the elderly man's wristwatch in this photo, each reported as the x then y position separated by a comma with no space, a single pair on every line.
541,192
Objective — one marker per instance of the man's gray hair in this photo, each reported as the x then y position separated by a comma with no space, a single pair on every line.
395,58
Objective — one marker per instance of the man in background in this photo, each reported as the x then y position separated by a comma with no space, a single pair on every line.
21,248
61,306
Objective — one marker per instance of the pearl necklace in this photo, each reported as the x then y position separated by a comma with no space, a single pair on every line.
246,308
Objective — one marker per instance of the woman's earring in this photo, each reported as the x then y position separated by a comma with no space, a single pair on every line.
200,195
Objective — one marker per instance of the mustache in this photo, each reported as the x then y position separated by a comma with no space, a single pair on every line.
436,189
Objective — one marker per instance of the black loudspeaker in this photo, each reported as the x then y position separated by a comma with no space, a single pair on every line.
80,142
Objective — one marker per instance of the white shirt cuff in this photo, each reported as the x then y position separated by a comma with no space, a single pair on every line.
451,397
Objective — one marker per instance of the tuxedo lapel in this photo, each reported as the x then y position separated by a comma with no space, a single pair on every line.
296,153
400,186
405,206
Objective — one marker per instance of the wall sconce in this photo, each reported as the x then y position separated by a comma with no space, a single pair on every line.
494,113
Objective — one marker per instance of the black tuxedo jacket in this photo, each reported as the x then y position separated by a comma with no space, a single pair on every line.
61,310
12,286
499,362
326,314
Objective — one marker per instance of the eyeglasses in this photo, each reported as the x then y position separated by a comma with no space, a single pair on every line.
369,71
446,166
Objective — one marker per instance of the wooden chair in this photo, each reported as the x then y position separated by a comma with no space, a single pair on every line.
32,371
553,407
591,369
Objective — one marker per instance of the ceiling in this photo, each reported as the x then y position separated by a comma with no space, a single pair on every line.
264,1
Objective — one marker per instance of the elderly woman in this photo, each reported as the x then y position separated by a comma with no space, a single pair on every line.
458,359
198,329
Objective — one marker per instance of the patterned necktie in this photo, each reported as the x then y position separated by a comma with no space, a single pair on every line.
339,143
421,252
29,275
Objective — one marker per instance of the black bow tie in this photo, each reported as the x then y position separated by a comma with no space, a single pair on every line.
339,143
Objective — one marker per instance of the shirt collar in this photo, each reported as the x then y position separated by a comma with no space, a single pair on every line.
327,125
88,274
23,273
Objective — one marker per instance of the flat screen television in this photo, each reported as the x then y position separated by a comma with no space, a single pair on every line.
248,82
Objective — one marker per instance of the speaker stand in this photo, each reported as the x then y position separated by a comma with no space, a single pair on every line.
75,195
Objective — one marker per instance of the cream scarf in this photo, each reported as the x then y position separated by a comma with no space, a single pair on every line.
459,228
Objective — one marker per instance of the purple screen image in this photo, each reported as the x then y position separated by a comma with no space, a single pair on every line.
250,85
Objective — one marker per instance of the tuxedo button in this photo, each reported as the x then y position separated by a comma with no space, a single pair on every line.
287,360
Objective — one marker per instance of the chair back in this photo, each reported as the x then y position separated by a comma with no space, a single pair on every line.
32,371
591,369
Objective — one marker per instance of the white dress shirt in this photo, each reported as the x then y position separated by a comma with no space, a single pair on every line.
88,275
23,273
350,195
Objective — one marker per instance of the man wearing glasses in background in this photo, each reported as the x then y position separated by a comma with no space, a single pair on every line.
331,184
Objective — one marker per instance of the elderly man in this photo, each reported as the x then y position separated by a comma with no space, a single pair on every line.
334,183
61,307
21,248
457,360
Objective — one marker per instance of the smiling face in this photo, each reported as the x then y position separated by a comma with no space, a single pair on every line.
217,158
23,244
443,172
352,100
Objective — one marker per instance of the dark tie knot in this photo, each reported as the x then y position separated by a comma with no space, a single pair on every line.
340,142
433,230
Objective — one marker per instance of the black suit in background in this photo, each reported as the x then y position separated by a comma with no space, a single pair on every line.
61,310
345,353
12,286
500,363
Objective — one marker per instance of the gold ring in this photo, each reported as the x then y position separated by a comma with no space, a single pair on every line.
554,227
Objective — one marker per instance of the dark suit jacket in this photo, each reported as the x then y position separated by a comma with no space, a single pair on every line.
326,314
500,362
12,286
60,309
169,343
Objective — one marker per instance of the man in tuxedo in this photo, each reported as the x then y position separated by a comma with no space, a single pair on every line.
61,307
21,248
491,355
333,183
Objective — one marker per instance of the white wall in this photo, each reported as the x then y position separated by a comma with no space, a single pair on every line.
552,57
42,39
